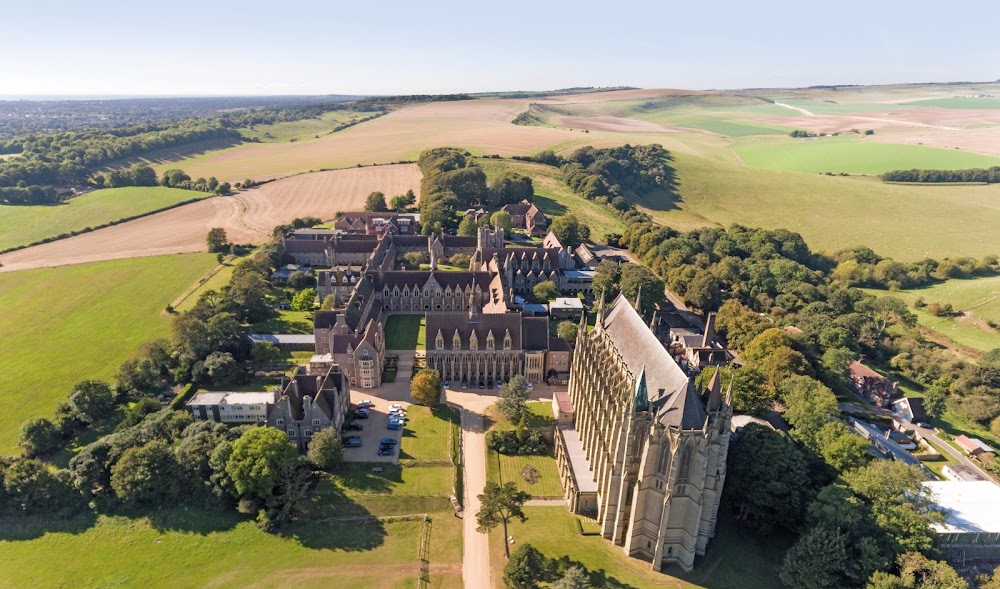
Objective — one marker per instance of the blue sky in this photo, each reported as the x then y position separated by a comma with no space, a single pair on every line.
295,47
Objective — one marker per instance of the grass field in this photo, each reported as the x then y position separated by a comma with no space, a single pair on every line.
64,325
736,559
21,225
539,415
304,129
428,433
405,332
555,198
975,302
500,467
853,156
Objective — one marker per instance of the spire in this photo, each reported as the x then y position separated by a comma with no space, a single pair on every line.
474,308
715,391
583,324
638,301
709,337
641,395
600,312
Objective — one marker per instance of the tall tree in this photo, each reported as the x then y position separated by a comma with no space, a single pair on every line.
326,449
425,387
258,459
500,504
217,240
375,203
513,398
92,401
525,569
147,474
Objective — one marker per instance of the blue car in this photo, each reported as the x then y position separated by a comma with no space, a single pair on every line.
386,451
388,441
352,441
394,425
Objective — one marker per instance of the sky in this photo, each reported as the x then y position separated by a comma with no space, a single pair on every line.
214,47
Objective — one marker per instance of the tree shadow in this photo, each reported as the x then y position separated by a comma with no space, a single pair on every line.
30,527
359,477
334,521
549,206
598,578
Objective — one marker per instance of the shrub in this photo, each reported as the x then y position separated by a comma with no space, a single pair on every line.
510,443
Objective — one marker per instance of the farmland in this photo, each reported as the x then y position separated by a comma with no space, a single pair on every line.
21,225
65,325
304,129
853,156
247,217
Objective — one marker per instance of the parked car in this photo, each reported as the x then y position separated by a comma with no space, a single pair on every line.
482,385
386,451
394,425
465,384
446,384
352,441
354,427
530,386
499,384
395,406
388,441
361,414
366,404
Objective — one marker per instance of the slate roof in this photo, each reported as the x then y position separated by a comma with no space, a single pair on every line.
670,391
305,246
402,278
500,323
535,333
324,319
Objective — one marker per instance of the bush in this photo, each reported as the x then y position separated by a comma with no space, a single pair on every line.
510,443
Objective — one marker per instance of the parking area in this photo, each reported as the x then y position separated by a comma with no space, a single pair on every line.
375,428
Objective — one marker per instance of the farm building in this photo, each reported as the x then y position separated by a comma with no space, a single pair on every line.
972,446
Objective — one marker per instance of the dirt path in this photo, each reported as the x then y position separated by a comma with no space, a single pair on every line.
476,556
801,110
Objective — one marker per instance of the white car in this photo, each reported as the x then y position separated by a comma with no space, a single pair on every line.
395,407
366,403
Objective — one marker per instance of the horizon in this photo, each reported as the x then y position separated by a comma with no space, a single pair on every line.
308,48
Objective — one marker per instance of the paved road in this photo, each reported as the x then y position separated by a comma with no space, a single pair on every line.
476,557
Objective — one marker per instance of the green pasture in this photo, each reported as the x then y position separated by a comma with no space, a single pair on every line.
67,324
853,155
21,225
962,102
304,129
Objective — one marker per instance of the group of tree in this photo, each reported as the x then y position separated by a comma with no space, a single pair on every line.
143,175
631,281
469,225
977,175
528,568
452,182
570,231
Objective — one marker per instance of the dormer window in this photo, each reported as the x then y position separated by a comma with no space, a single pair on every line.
490,342
473,342
506,341
456,341
439,342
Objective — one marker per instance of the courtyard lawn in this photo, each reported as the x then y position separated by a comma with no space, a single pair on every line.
428,433
507,469
735,559
21,225
63,325
198,548
405,332
853,156
539,415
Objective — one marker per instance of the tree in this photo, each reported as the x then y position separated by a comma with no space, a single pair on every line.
768,479
375,203
510,187
248,290
916,571
935,401
704,292
467,226
326,449
137,412
809,405
258,459
513,398
92,401
399,203
545,291
147,474
266,353
525,568
425,387
304,300
414,259
900,504
31,487
499,504
751,396
221,368
636,278
817,560
569,230
738,324
223,189
503,220
39,436
217,240
567,330
574,578
299,280
140,376
841,448
459,260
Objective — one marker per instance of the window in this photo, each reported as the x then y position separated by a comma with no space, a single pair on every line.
307,433
280,422
506,342
291,433
315,422
456,341
439,342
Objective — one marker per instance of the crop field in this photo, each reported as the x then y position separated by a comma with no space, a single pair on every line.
61,326
305,129
247,217
853,156
976,302
21,225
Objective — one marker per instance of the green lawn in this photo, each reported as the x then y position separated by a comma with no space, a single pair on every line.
975,301
405,332
540,415
555,198
21,225
508,469
735,558
63,325
428,433
195,548
287,321
853,155
215,282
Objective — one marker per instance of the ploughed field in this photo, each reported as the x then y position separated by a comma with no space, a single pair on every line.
247,217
